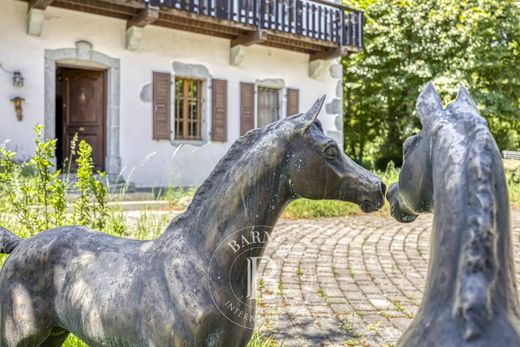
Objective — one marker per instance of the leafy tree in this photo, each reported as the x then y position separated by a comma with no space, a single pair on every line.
452,42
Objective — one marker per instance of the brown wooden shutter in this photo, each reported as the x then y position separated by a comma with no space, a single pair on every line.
247,107
293,101
219,112
161,105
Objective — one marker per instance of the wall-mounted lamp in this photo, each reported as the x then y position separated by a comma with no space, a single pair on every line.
18,101
16,78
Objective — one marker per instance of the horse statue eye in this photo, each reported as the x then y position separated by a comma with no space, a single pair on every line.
408,143
331,151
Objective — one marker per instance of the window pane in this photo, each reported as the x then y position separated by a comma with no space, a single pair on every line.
268,106
179,108
193,114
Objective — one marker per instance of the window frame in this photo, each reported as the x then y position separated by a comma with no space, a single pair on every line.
279,100
185,137
275,84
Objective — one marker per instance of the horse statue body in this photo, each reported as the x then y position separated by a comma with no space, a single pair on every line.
119,292
453,168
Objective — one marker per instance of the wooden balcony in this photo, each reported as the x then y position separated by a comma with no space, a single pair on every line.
318,27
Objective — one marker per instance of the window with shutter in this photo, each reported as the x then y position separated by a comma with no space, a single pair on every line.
219,110
161,105
293,101
247,107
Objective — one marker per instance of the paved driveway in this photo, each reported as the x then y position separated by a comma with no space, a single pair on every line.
346,281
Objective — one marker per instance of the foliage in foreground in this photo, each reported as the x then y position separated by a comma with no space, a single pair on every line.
513,184
39,201
407,43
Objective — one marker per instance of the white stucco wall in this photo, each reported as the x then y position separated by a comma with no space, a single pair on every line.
145,162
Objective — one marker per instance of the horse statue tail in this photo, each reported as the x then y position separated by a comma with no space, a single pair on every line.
8,241
478,260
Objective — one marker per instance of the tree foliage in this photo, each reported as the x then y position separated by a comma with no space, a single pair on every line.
451,42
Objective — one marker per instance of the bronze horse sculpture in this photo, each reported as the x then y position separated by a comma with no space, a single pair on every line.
453,168
119,292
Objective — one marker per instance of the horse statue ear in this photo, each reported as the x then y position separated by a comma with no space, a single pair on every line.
463,97
310,116
428,103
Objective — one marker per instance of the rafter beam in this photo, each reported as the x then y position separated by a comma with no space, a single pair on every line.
136,24
39,4
145,17
256,37
330,54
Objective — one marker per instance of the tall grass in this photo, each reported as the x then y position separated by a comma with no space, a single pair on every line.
257,340
179,198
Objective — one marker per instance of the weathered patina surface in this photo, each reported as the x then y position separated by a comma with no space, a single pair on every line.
119,292
453,169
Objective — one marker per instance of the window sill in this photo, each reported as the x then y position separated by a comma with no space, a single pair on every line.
177,142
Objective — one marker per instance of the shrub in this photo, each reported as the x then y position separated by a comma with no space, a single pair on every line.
513,183
90,208
39,201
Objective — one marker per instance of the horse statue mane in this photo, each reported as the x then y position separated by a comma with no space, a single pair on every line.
243,145
478,262
231,159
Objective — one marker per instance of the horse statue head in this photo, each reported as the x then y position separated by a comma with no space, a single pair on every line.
319,169
452,168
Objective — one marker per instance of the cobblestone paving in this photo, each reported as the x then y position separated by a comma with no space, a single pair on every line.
354,281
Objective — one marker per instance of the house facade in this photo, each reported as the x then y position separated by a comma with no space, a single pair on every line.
162,88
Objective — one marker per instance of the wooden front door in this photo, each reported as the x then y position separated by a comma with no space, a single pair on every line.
84,108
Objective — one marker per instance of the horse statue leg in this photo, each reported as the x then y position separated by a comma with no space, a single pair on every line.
19,329
26,321
25,312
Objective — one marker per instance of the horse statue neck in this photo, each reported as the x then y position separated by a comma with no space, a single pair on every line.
471,263
248,187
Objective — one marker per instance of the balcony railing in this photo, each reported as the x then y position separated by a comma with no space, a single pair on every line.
318,19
